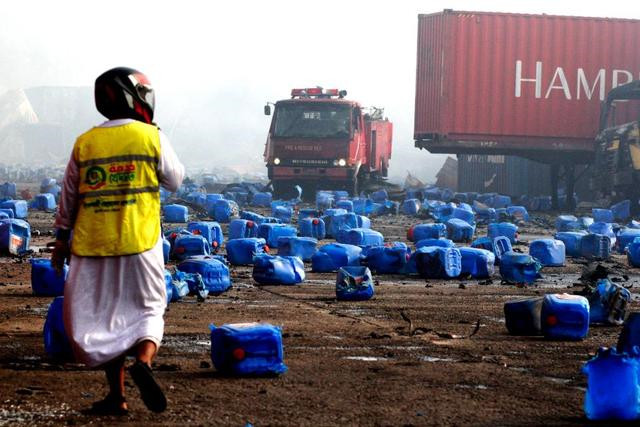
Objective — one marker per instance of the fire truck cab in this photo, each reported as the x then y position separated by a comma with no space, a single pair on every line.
320,140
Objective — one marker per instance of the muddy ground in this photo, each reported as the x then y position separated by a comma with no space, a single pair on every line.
349,363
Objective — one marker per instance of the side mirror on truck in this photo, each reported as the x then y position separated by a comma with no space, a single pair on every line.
267,110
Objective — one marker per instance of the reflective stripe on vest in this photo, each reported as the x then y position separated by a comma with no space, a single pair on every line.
119,199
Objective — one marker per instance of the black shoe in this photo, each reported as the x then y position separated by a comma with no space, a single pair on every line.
150,391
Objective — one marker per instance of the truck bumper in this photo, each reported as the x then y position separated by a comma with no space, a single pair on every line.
284,173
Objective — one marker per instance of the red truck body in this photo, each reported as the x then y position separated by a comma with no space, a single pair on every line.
325,142
499,83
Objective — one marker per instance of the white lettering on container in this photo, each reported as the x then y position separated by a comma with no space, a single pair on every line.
537,80
564,86
582,82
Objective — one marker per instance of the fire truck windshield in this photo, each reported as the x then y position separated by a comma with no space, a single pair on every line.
312,120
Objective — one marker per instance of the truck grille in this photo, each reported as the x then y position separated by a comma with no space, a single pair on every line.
306,162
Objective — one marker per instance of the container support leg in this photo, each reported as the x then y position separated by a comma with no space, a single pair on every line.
555,174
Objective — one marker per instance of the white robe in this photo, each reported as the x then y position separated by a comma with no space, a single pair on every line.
112,303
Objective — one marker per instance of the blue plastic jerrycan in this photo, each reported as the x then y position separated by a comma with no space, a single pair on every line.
335,255
312,227
214,272
571,240
56,341
438,263
242,229
247,349
630,335
210,230
426,231
187,245
44,279
390,259
354,283
565,317
176,213
613,386
360,237
242,251
595,246
522,316
411,207
272,232
549,252
459,230
278,270
476,262
608,303
302,247
442,243
519,268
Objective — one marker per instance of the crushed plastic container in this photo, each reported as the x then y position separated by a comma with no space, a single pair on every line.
15,235
272,232
518,213
630,335
483,243
44,279
549,252
565,317
262,199
242,229
571,240
604,228
19,207
354,283
595,246
214,273
433,262
312,227
347,205
302,247
45,202
335,255
459,230
278,270
608,303
56,341
388,259
478,263
361,237
625,237
621,211
225,210
602,215
613,386
503,229
7,213
210,230
442,243
187,245
426,231
179,289
522,316
242,251
567,223
411,207
519,268
175,213
282,213
247,349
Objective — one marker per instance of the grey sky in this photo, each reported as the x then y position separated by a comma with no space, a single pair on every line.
215,63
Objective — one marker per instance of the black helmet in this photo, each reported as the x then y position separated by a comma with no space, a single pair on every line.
123,93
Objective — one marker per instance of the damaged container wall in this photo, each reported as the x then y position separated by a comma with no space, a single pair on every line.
510,175
495,81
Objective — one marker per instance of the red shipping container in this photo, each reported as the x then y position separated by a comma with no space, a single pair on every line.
519,84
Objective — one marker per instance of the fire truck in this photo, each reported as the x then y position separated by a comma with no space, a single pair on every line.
320,140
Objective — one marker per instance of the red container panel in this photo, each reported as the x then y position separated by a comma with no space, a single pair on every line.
491,81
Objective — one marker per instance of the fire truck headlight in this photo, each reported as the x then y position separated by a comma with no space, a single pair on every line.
342,162
276,161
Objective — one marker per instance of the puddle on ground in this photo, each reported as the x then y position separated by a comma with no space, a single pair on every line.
433,359
472,386
366,358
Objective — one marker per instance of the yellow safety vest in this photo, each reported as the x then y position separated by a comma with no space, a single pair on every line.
119,198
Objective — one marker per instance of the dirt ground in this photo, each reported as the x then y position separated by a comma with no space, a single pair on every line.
350,363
